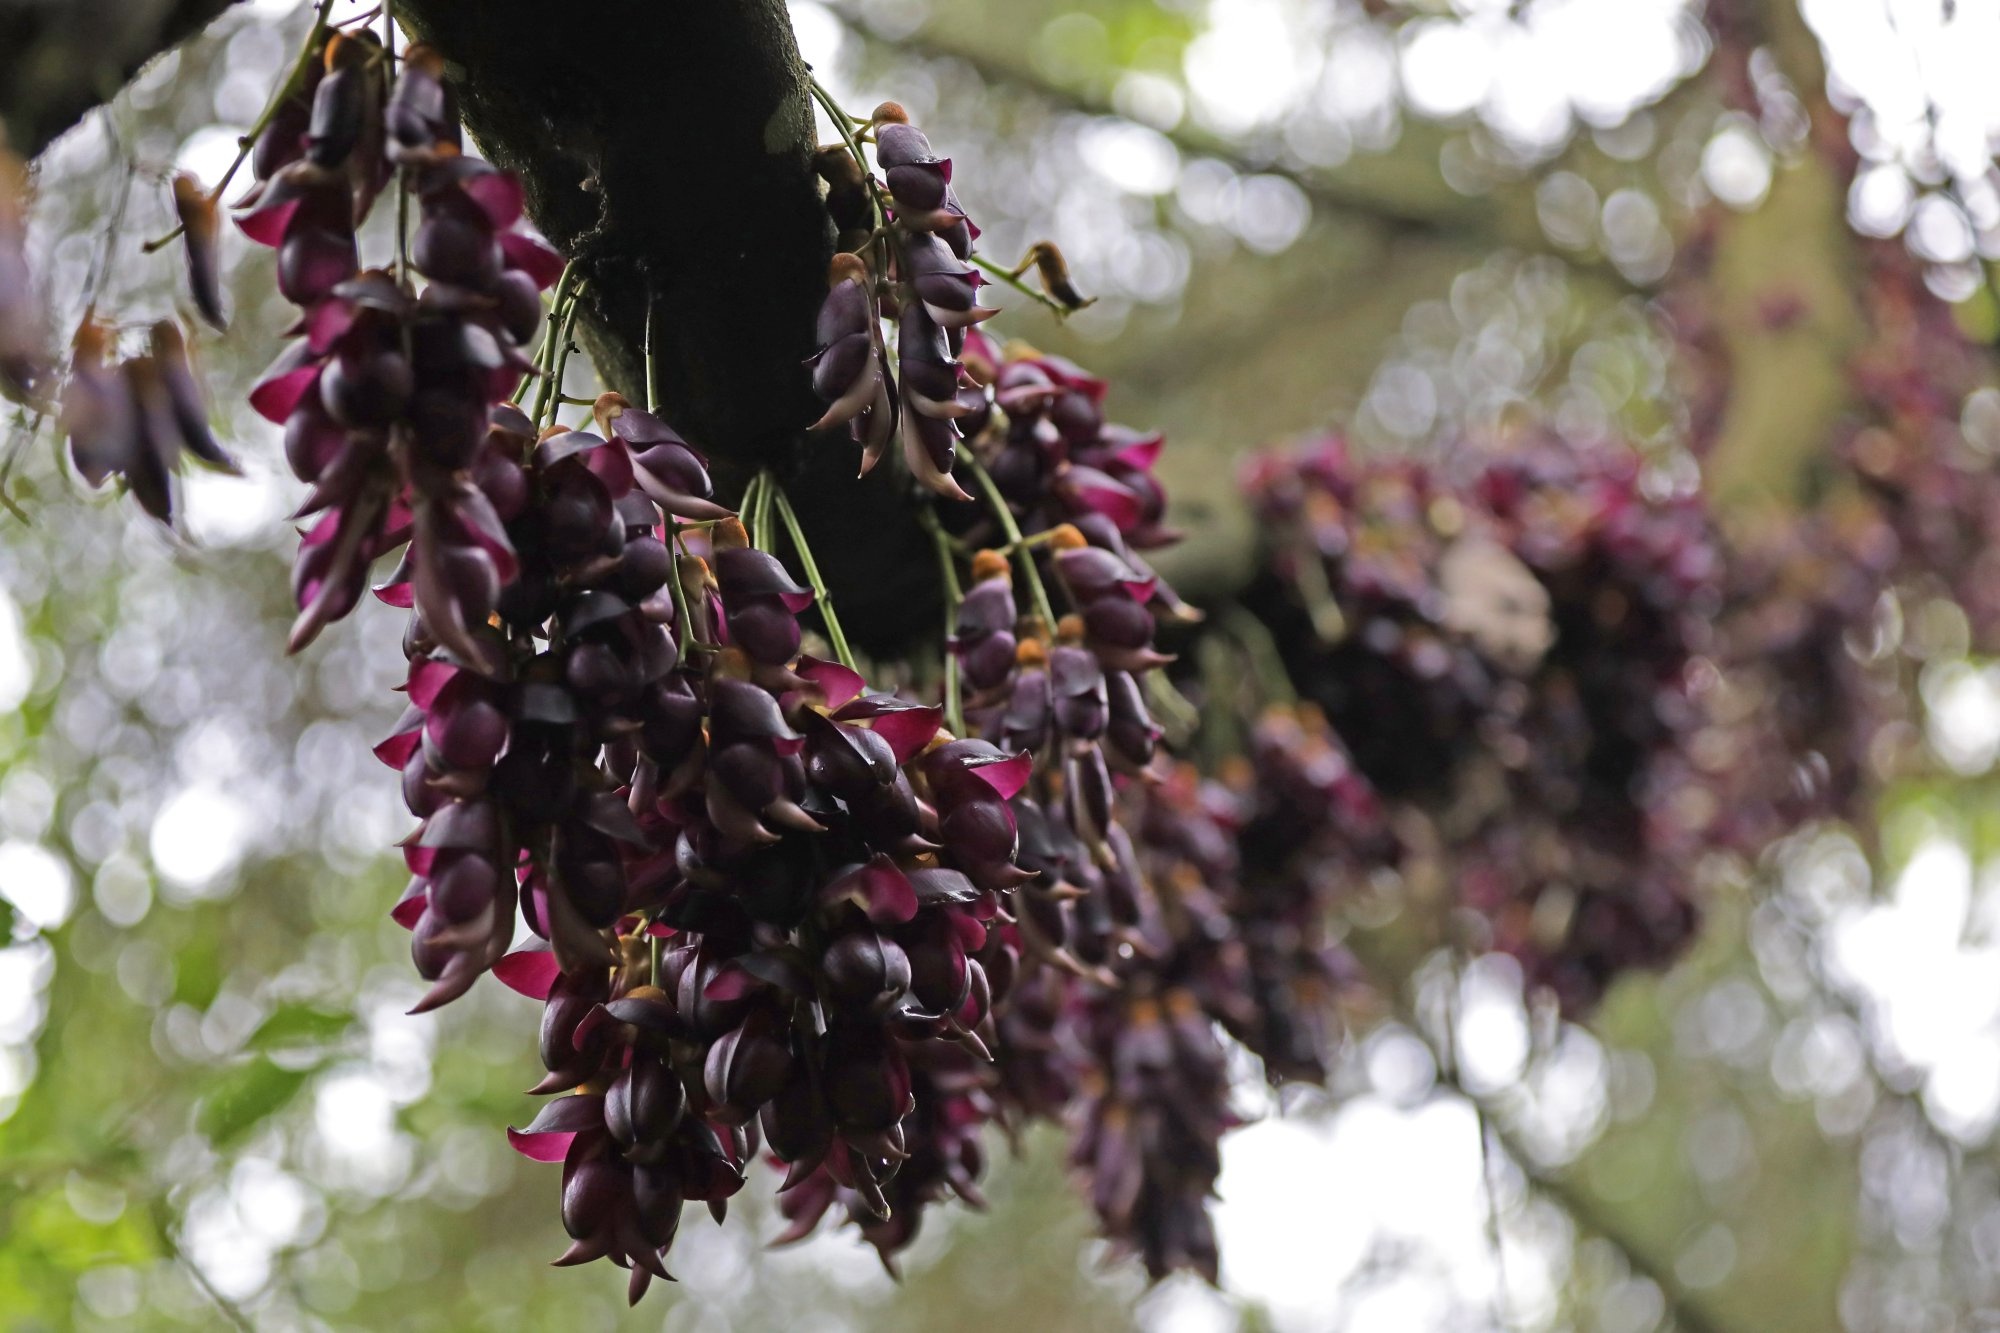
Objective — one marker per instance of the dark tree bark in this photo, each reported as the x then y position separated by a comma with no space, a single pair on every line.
60,58
666,148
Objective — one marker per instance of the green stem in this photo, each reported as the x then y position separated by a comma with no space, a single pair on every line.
1014,280
556,300
294,79
683,614
954,710
834,633
1267,663
558,357
646,351
845,123
747,507
1015,541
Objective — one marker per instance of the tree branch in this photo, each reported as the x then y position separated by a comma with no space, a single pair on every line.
666,149
59,59
1403,191
1584,1209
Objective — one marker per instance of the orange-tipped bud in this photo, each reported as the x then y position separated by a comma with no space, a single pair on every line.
1066,537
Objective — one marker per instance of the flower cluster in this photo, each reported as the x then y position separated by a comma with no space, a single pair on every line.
135,419
1222,894
820,877
1512,651
909,266
761,897
385,395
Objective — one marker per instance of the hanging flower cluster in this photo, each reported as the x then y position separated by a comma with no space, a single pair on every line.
909,267
761,897
766,901
1515,652
1221,897
385,395
135,418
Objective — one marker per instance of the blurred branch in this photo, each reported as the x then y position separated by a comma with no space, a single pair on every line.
163,1223
58,60
1579,1204
1403,192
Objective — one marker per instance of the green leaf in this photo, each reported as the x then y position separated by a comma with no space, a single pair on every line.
292,1025
245,1097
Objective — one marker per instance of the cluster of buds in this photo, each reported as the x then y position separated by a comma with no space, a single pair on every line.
766,907
1812,713
1229,884
906,265
1311,828
763,901
793,943
1074,500
1509,649
385,395
135,418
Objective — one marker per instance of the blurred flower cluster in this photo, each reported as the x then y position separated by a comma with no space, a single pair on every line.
1509,643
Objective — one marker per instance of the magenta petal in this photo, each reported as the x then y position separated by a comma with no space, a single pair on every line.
1141,453
266,226
428,679
541,1147
731,983
591,1021
397,595
613,467
532,972
325,323
909,730
531,257
881,888
970,932
482,522
1097,492
1005,776
838,683
498,194
407,912
396,751
419,859
275,397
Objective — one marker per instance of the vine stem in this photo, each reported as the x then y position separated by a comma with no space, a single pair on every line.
562,324
824,597
954,710
751,511
556,300
1016,542
1014,280
248,140
1266,661
879,241
652,385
